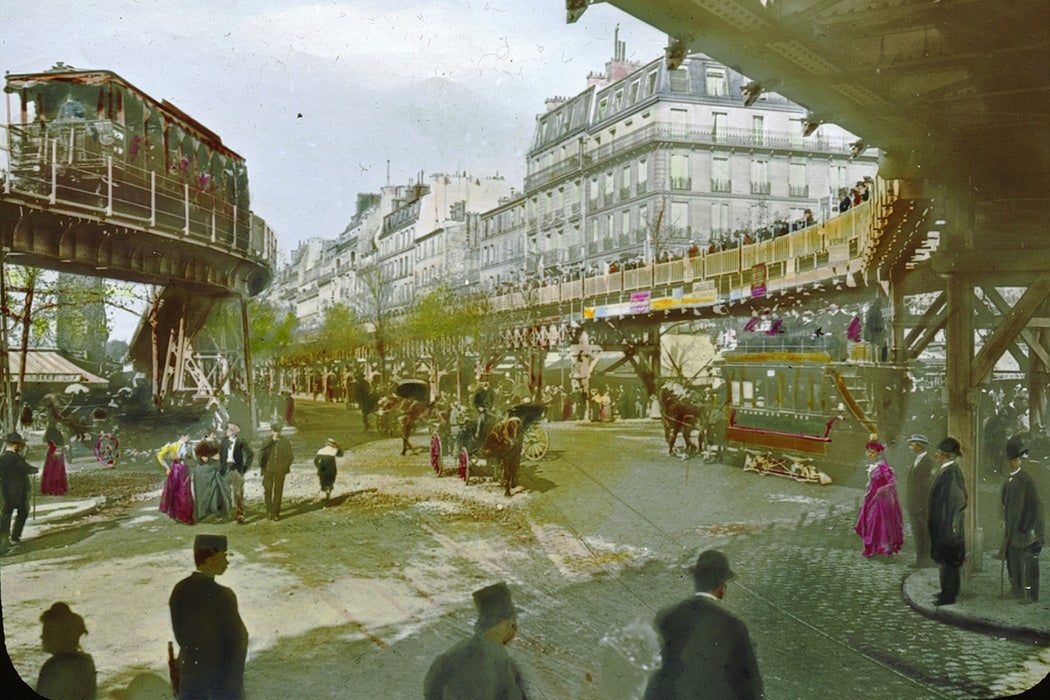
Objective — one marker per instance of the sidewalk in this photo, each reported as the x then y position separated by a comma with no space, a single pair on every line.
980,606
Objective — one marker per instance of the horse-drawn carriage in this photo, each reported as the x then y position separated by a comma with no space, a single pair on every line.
491,441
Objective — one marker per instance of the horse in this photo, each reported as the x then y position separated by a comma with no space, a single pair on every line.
78,428
679,416
386,411
503,443
412,411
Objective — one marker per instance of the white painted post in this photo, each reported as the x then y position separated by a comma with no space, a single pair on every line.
186,207
109,185
213,224
153,198
54,171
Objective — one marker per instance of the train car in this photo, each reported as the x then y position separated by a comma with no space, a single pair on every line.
90,138
796,407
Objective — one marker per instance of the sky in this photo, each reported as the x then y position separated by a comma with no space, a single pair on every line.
318,97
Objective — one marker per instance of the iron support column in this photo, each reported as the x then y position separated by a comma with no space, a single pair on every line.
249,380
962,400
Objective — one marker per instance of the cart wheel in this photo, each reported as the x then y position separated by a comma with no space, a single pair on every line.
435,453
464,465
107,449
535,443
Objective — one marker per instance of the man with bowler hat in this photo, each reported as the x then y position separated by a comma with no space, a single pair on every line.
213,642
14,485
706,650
275,461
235,457
1022,526
480,668
920,478
945,520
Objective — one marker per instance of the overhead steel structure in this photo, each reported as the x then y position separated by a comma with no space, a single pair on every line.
956,94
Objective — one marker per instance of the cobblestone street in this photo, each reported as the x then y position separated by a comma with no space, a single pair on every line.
354,598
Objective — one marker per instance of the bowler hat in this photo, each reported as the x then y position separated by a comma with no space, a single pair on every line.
711,570
1015,448
919,438
494,605
14,439
950,445
212,543
233,428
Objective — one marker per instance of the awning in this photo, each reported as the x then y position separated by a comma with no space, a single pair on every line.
49,367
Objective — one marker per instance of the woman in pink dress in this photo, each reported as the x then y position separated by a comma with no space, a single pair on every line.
177,497
880,525
53,480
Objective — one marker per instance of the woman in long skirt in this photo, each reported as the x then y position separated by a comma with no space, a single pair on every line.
211,491
880,525
53,480
177,497
324,460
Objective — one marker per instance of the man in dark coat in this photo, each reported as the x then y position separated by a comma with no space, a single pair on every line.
235,457
1022,526
275,461
920,478
945,520
706,650
213,642
14,486
480,668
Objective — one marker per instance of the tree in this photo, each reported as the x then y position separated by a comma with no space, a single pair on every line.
375,307
445,324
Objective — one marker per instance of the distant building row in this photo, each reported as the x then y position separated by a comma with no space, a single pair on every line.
643,162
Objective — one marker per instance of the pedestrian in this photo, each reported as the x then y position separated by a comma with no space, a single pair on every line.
1022,526
14,486
235,458
53,481
324,460
275,461
176,499
69,673
289,408
920,479
480,668
945,520
706,650
211,491
880,524
212,639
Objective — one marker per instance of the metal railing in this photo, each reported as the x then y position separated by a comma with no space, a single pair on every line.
81,168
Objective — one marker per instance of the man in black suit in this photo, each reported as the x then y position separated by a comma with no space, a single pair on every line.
213,642
920,479
235,457
706,650
14,486
1022,526
945,520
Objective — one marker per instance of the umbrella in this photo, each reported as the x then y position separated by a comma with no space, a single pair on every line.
76,388
413,389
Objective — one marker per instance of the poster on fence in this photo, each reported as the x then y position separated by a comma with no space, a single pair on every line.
758,281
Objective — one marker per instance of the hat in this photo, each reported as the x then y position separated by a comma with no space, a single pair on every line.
212,543
233,427
711,570
277,426
950,446
875,445
1015,448
919,438
331,443
494,605
14,438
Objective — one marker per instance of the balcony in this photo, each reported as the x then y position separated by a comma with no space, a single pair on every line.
721,185
555,172
798,190
625,192
682,183
760,188
641,187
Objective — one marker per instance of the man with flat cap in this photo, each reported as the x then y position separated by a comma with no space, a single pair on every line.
213,642
945,520
1022,526
920,479
480,668
14,485
706,650
235,458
